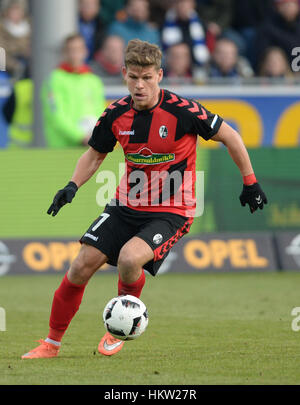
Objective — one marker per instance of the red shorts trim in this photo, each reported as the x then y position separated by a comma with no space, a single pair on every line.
160,252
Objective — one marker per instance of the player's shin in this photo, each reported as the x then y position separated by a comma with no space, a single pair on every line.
66,301
134,289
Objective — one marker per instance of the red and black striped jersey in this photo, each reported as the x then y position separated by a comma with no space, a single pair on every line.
160,150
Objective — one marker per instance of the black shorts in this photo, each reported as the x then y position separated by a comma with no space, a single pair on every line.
118,224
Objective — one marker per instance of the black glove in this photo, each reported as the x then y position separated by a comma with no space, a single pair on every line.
62,197
254,196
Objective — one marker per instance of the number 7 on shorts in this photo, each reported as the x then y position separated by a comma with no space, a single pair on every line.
103,218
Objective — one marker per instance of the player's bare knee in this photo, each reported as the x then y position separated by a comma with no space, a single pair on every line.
78,273
127,261
81,269
85,265
129,267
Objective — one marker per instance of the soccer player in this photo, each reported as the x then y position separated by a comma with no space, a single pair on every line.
158,131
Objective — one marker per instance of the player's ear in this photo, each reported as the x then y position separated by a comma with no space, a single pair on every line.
160,75
124,72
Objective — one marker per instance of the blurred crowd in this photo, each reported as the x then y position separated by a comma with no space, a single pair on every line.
203,42
201,39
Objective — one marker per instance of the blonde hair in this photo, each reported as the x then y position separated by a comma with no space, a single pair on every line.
142,53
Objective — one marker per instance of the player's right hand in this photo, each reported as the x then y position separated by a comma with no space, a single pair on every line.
62,197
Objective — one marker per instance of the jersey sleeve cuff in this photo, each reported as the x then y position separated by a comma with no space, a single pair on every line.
214,127
100,149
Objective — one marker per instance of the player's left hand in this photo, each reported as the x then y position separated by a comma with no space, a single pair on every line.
254,196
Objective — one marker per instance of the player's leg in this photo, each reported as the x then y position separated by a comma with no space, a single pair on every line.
67,299
133,255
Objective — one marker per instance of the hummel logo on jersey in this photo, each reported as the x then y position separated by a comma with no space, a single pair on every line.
109,347
258,199
126,132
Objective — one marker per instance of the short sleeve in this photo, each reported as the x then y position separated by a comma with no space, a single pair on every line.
103,140
203,122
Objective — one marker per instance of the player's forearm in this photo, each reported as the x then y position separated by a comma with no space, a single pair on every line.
239,155
86,166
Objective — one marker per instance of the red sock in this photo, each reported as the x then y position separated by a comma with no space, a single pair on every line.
66,301
134,289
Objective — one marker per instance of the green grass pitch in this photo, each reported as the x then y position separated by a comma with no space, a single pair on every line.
203,329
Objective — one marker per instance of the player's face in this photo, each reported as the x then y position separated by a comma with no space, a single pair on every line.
143,85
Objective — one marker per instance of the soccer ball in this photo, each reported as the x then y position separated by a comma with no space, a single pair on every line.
125,317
